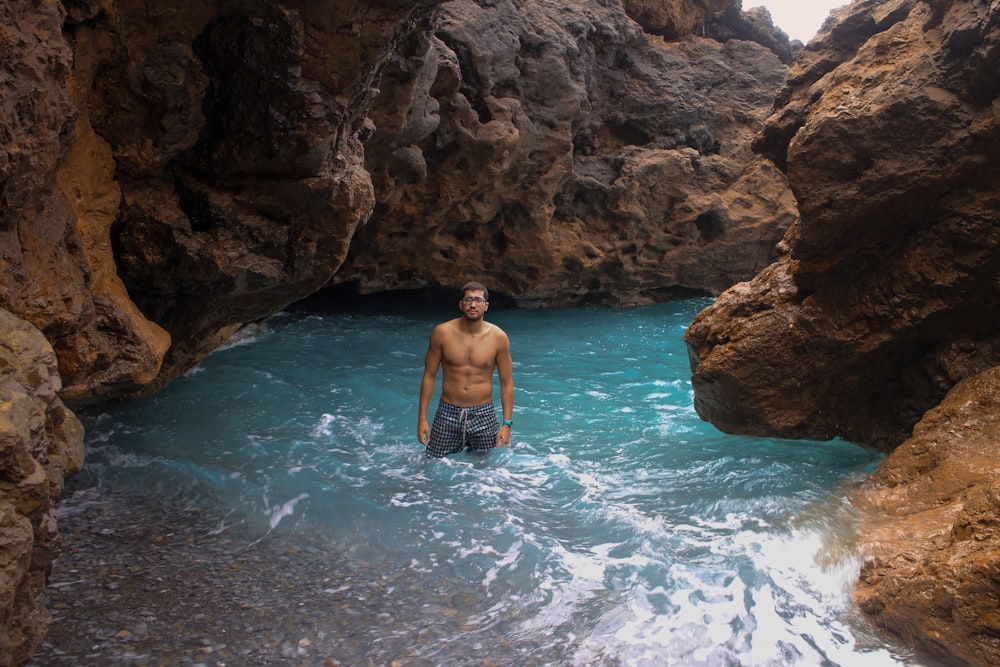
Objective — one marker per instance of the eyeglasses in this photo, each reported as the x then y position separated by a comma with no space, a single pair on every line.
469,300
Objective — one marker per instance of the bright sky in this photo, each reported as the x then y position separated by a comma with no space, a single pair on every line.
801,19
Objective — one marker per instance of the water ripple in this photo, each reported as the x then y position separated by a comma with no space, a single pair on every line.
618,530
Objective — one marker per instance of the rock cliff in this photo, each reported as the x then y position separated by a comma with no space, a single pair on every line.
194,166
885,294
884,300
565,156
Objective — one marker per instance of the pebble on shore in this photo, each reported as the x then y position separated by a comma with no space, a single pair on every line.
153,585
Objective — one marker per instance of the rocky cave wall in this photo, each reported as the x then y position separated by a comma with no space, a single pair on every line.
170,171
562,155
886,293
882,310
176,170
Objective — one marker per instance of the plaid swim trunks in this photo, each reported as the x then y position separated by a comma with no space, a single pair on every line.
456,428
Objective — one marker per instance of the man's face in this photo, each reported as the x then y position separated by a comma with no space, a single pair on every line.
473,305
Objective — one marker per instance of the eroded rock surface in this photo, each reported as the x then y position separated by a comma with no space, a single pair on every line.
931,534
886,293
41,441
240,152
176,171
564,156
57,203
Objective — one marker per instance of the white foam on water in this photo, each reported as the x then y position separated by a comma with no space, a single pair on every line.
286,509
247,334
780,606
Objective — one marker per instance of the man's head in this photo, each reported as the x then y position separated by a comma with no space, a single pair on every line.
475,300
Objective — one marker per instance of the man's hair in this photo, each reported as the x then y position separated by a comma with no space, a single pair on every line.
476,287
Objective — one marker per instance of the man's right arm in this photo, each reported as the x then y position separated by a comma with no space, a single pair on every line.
432,361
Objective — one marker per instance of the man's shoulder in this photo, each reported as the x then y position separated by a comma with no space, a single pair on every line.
446,327
500,336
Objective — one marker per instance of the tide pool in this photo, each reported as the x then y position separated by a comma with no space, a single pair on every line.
619,529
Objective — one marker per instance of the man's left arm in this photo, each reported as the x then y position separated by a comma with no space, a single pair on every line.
505,372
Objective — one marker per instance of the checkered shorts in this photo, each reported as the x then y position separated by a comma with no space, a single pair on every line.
456,428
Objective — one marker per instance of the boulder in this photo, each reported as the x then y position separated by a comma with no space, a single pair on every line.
885,294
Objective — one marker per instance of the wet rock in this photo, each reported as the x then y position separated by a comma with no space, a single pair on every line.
931,538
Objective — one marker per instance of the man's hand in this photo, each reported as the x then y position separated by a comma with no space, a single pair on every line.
423,432
503,437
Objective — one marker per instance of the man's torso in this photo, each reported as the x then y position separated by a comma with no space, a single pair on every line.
468,360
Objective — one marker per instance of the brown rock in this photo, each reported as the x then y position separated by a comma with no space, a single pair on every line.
566,157
171,172
885,295
253,185
931,535
675,17
883,301
40,443
58,202
193,169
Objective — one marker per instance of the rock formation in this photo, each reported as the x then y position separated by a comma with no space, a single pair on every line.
59,200
193,167
240,153
173,170
885,295
883,300
932,534
41,441
564,156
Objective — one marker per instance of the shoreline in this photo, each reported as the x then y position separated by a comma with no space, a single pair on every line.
163,585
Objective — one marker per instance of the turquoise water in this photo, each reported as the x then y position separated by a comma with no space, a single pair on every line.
618,529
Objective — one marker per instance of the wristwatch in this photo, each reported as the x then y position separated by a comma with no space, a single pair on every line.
508,422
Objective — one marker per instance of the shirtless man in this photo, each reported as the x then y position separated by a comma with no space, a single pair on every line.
468,348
